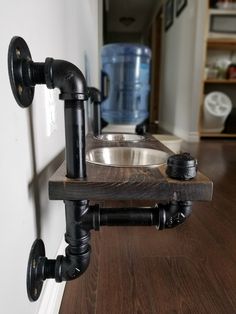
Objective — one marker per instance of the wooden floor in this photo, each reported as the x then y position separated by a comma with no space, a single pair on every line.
190,269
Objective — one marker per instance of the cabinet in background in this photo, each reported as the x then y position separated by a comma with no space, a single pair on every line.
220,52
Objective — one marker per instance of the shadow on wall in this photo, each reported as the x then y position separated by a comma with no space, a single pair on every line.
39,181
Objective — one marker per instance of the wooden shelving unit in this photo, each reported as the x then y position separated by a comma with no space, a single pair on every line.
219,81
222,43
218,43
127,183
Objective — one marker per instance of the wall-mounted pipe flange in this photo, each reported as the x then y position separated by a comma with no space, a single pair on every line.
18,54
34,282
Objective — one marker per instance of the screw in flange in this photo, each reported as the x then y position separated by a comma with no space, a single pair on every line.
18,52
20,89
35,292
34,263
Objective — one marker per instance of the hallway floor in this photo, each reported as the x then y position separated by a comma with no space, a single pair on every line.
190,269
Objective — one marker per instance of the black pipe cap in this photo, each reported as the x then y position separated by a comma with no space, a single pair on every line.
181,167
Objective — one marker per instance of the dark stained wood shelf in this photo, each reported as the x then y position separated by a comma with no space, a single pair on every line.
141,183
190,269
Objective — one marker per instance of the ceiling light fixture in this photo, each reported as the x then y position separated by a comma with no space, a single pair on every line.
127,21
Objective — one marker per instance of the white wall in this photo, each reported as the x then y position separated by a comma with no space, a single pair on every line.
60,29
182,66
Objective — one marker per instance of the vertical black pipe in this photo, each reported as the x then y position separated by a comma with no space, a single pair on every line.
75,139
77,235
97,119
77,257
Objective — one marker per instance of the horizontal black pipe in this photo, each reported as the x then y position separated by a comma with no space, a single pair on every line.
81,218
129,216
163,216
37,72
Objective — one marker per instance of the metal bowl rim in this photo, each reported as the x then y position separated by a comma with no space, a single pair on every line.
127,166
138,137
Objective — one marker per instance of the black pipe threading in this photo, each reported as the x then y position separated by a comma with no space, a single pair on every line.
49,268
37,73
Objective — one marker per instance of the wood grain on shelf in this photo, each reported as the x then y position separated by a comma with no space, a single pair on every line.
190,269
113,183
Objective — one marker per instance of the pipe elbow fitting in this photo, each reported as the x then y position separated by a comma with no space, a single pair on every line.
173,214
94,94
71,266
67,77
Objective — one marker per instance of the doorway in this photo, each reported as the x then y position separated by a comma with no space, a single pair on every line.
155,44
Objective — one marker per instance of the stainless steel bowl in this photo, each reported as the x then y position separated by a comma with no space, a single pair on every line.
127,157
119,137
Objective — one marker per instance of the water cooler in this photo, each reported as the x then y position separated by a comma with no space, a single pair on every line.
125,86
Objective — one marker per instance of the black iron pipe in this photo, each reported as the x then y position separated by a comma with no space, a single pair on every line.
97,125
67,77
81,218
95,97
177,213
129,216
77,254
162,216
37,72
77,257
75,211
31,73
72,84
75,139
71,266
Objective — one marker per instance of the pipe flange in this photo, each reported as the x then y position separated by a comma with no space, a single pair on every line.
18,54
34,281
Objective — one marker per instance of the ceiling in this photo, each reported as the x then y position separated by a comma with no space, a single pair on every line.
140,10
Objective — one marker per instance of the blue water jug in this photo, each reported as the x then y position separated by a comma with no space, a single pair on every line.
127,69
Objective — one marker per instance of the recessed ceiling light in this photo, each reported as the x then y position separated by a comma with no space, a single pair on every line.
127,20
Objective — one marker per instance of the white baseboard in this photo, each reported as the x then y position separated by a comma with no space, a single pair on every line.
186,136
193,137
52,291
